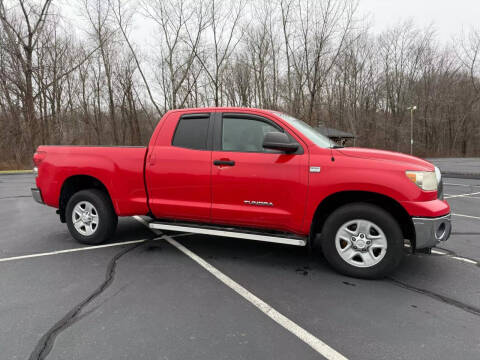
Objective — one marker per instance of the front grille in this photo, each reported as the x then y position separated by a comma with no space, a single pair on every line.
440,190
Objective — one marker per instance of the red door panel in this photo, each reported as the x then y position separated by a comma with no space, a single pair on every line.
260,190
178,178
179,184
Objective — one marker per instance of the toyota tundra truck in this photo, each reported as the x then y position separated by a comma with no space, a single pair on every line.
256,175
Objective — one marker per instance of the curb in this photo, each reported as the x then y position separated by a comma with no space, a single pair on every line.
457,175
15,172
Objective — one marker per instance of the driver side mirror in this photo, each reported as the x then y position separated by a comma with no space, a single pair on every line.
279,141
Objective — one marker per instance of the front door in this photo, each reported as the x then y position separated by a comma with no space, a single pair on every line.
252,186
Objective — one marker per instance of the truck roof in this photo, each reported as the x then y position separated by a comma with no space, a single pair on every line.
218,109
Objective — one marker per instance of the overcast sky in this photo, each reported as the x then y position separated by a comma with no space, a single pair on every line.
449,17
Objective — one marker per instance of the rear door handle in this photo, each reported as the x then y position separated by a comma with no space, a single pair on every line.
224,162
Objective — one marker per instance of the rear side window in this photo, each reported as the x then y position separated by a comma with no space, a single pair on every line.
191,133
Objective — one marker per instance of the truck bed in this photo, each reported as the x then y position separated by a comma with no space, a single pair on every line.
119,168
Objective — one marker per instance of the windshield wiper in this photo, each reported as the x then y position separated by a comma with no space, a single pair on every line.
337,147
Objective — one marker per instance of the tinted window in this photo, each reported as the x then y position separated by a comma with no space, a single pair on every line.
245,135
191,133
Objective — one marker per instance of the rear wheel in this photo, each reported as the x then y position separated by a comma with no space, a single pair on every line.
90,217
362,240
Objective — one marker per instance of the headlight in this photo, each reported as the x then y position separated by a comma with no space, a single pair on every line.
425,180
35,171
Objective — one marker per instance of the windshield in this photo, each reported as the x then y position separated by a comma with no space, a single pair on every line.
311,133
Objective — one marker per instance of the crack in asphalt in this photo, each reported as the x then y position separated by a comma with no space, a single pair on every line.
45,344
445,299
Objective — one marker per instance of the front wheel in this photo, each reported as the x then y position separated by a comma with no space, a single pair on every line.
90,217
362,240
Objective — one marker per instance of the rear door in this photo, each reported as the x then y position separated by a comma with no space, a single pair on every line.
252,186
178,168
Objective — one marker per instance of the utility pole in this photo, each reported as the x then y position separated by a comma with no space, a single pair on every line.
412,109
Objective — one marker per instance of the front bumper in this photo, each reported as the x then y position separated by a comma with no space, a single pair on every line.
430,231
37,195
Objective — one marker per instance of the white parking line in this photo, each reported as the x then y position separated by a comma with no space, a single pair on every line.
467,196
86,248
465,185
314,342
459,258
470,261
467,216
461,195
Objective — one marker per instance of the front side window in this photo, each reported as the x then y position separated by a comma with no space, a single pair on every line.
312,134
245,135
191,133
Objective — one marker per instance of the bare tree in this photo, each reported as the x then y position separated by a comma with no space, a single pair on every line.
125,77
23,28
98,14
325,26
123,19
181,24
312,59
224,25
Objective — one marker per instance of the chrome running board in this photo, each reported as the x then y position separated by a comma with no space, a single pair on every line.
297,241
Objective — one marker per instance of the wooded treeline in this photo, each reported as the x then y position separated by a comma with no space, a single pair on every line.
314,59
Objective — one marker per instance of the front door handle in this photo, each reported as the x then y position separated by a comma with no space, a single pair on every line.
224,162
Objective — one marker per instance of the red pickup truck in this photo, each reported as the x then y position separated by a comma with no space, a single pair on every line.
252,174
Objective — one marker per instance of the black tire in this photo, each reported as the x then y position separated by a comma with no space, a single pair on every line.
382,219
107,219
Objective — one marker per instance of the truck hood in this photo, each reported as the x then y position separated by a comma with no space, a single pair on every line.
383,155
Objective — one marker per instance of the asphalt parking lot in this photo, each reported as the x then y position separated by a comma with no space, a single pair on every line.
149,300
